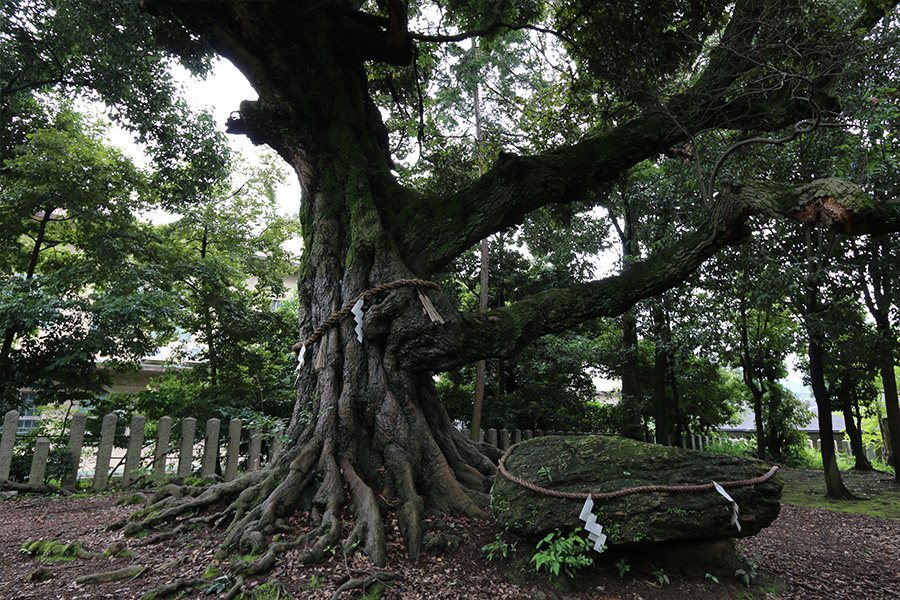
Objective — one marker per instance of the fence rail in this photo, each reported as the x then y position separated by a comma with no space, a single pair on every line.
164,457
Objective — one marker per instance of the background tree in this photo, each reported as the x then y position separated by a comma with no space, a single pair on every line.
78,284
748,290
226,262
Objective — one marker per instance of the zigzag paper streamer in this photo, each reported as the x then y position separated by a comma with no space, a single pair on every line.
595,531
734,505
301,358
357,315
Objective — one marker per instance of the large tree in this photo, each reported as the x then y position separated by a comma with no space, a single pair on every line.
368,424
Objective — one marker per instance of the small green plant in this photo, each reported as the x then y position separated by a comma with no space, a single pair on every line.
746,575
315,582
557,552
661,577
712,577
623,567
546,472
499,548
220,584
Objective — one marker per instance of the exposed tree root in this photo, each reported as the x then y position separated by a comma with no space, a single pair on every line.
129,572
175,587
355,584
46,488
357,459
55,550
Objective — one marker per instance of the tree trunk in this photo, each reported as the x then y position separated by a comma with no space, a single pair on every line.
861,461
756,391
660,381
892,405
887,452
879,300
834,485
632,395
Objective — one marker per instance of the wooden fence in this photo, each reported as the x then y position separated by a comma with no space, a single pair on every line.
162,460
163,451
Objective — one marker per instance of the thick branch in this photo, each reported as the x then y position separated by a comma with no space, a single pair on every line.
833,203
435,230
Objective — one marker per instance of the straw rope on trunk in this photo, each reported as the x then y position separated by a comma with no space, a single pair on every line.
419,284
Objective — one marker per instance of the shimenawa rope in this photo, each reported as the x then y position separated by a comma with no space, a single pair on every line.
333,319
627,491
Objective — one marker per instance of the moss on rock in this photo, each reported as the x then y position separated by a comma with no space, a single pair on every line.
601,464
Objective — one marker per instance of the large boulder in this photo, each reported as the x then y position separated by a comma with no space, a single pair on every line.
600,464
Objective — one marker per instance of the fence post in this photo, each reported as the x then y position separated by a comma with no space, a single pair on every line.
161,453
527,434
39,462
135,443
490,437
8,443
76,441
186,456
516,436
255,449
232,453
104,452
274,447
503,441
210,449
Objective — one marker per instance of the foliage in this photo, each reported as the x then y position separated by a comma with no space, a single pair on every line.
93,49
499,548
784,414
557,552
549,385
77,282
661,577
723,444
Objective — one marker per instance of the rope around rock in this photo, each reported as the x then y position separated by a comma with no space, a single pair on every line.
333,319
627,491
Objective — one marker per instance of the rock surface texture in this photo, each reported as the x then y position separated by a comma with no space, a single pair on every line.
600,464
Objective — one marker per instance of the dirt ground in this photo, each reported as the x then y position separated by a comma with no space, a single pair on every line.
807,553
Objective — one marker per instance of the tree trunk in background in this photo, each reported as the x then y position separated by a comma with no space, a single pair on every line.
632,395
756,391
886,440
834,485
889,383
660,381
861,461
879,296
